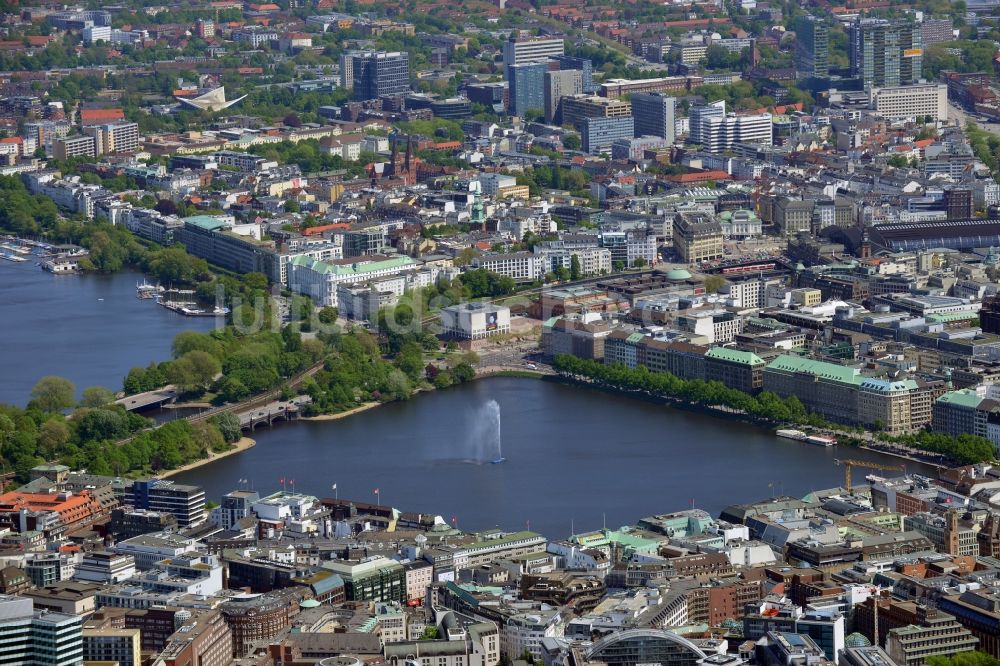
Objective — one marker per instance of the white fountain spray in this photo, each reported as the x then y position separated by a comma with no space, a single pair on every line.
484,445
495,407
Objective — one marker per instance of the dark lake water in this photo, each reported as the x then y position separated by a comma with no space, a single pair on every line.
59,325
574,457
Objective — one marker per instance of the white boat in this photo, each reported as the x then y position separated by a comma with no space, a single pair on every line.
797,435
145,291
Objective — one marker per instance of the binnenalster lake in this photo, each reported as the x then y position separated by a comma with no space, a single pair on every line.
575,456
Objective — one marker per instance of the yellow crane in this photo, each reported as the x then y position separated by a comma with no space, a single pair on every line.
849,465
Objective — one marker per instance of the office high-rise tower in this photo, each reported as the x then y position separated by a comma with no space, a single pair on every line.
531,50
29,636
527,87
654,115
585,67
812,47
379,73
885,53
558,84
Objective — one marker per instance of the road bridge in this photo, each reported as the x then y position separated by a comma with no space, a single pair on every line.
141,401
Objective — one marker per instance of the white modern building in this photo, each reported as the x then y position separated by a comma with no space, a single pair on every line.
531,49
492,183
149,549
916,101
593,260
717,131
105,567
320,279
522,266
474,321
194,573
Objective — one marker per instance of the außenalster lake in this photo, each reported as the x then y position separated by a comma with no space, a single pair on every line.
575,456
90,329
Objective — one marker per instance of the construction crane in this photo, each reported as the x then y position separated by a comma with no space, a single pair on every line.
851,464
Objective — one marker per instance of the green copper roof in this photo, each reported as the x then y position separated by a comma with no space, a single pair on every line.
734,356
206,222
963,398
944,317
832,371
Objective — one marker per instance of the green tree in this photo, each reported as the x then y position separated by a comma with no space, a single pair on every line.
100,424
194,370
96,396
53,434
714,283
189,341
410,360
574,268
53,394
328,315
229,426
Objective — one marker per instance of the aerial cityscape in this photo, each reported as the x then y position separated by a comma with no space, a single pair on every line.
500,333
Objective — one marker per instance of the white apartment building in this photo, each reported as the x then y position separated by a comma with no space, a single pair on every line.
117,137
519,225
593,260
914,101
522,266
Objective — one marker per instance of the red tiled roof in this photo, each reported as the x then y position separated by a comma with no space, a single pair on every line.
312,231
88,116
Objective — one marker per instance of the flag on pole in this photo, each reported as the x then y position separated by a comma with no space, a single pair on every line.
376,491
334,487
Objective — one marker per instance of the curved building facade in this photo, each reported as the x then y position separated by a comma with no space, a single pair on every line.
645,646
